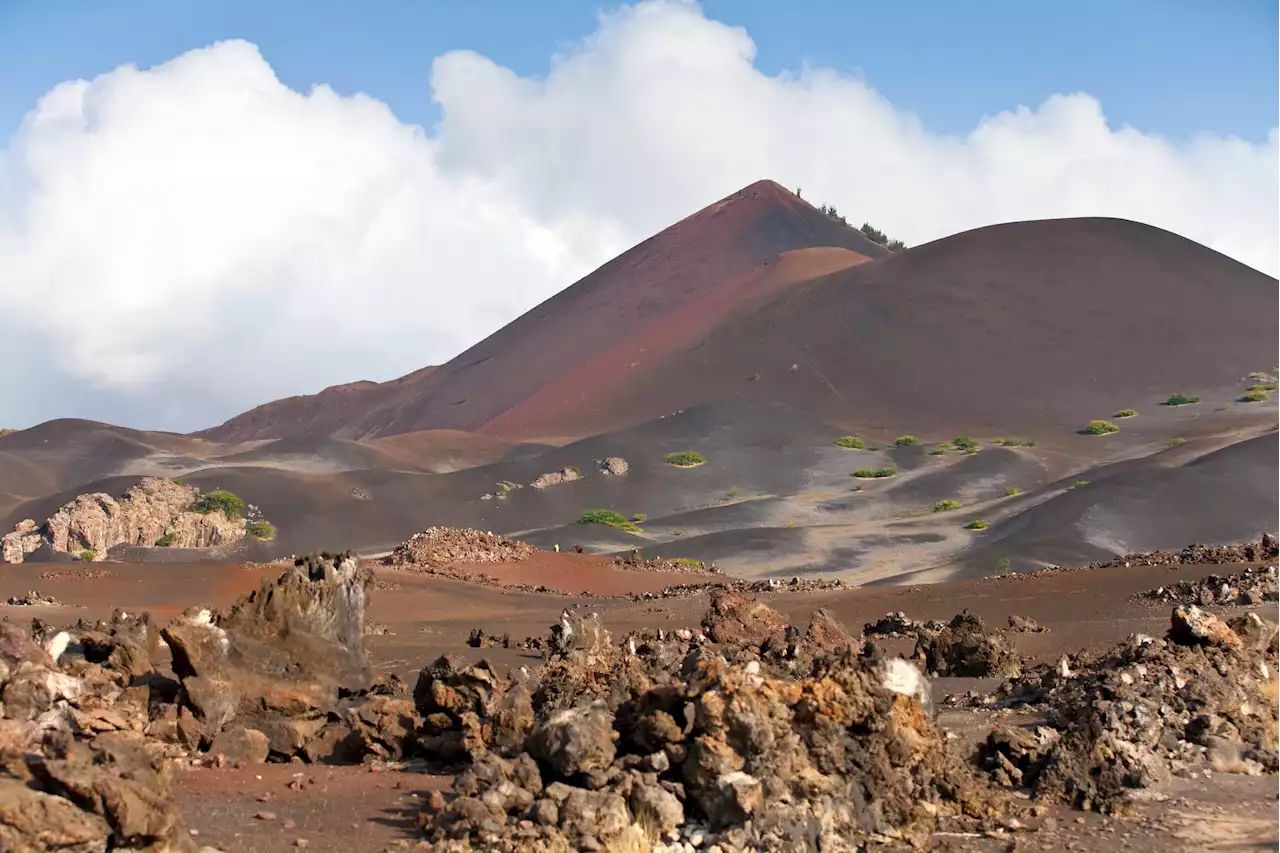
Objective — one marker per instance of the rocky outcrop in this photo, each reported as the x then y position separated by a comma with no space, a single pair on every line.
613,465
965,648
437,547
24,539
555,478
155,511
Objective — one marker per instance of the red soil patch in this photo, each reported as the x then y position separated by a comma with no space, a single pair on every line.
593,398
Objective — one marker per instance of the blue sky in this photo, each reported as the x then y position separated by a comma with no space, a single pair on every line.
1171,67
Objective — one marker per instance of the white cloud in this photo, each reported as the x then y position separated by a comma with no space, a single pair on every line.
180,243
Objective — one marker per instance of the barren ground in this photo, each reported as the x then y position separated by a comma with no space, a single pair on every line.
359,809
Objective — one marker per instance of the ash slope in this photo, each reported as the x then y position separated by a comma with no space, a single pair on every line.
641,287
1026,327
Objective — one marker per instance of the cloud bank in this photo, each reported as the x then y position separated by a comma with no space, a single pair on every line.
181,243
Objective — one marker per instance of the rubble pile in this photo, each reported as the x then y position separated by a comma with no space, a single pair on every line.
899,625
109,796
1248,552
1203,698
1250,586
437,547
752,735
555,478
480,639
966,648
33,598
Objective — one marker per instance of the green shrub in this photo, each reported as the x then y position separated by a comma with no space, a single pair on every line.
219,499
964,442
1180,400
906,441
1008,442
977,524
574,469
264,530
1004,566
684,459
609,518
166,541
87,555
1175,442
1080,483
677,533
874,473
1030,442
946,505
1011,491
1266,386
1100,428
1254,397
851,442
732,493
639,517
938,451
1126,413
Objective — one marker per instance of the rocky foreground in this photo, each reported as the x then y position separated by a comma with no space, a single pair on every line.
747,734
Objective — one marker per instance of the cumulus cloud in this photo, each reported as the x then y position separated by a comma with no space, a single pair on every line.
183,242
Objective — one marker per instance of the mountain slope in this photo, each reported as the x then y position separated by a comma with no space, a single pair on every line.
639,288
1026,326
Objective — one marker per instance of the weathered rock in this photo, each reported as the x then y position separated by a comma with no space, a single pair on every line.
576,740
655,807
736,619
555,478
78,798
285,650
826,635
25,538
965,648
1025,625
1193,626
613,465
241,744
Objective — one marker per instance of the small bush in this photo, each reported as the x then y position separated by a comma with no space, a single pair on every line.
1030,442
938,451
906,441
574,469
874,473
1080,483
732,493
677,533
946,505
1180,400
1004,566
87,555
609,518
688,561
1126,413
264,530
1100,428
230,503
1008,442
1254,397
1011,491
1266,386
639,517
977,524
1175,442
964,442
166,541
684,459
851,442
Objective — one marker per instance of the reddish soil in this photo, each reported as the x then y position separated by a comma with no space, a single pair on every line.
567,572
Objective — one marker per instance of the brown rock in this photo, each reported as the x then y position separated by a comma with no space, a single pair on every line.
576,740
737,619
25,538
1191,626
241,744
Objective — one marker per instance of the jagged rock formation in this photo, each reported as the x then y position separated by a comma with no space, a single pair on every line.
155,510
615,465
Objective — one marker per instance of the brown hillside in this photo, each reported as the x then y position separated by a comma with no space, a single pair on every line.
660,276
1011,327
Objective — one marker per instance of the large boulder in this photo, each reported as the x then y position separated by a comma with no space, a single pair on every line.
25,538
